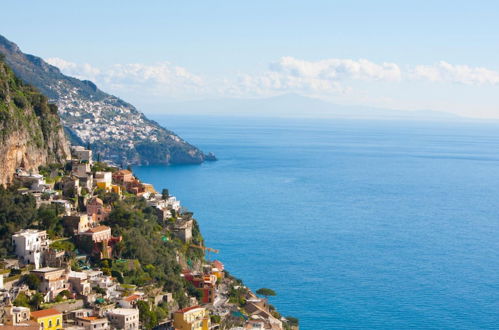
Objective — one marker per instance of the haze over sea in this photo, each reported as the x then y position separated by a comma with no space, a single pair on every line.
355,224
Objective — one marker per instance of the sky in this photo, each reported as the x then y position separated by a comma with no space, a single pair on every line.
407,55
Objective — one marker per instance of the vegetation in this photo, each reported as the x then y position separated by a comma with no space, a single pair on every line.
265,292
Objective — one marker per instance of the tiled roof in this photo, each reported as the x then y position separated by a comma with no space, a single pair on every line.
98,229
45,313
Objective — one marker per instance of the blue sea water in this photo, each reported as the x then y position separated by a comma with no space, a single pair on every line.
355,224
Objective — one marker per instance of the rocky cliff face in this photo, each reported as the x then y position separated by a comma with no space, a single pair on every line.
31,133
114,128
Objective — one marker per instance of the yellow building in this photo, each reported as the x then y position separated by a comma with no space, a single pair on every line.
48,319
191,318
104,185
117,189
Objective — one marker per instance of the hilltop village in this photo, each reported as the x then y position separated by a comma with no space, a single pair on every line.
90,246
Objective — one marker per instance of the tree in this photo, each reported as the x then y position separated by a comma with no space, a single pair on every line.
32,281
265,292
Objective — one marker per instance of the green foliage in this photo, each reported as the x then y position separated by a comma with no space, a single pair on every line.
265,292
148,317
32,281
17,212
64,245
33,303
215,319
49,220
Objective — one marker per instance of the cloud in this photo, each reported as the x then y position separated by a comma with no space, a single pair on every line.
335,69
156,79
463,74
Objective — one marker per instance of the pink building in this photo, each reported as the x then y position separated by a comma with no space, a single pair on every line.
96,209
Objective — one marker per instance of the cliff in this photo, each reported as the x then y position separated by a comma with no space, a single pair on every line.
31,133
115,129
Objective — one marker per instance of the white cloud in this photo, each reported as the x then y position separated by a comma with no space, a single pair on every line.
463,74
157,79
335,69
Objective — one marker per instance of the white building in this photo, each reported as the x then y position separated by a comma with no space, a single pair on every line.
124,318
83,154
30,244
105,177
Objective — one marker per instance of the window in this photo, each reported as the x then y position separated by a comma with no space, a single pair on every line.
58,322
50,323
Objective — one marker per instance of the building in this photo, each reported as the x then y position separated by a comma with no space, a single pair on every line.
95,206
92,322
130,301
218,269
124,318
98,234
183,229
15,315
103,180
48,319
192,318
76,223
79,283
122,176
29,245
52,281
83,154
206,284
82,170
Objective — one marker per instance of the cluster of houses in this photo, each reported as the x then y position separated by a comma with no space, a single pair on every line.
90,298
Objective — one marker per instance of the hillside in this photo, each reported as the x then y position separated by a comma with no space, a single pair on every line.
115,129
31,133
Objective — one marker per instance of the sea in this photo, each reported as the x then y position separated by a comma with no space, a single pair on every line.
355,224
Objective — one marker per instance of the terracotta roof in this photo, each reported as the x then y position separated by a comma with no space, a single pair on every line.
187,309
123,172
97,229
131,298
45,313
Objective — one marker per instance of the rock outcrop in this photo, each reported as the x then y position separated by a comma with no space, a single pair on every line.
31,133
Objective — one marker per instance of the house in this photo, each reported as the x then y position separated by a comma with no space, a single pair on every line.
258,309
76,223
15,315
131,301
98,241
82,170
54,258
192,318
124,318
83,154
82,312
103,180
48,319
97,234
122,176
218,269
30,245
92,322
52,281
205,283
63,205
79,283
95,206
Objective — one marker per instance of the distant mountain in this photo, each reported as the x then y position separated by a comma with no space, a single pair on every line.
31,133
292,105
115,129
